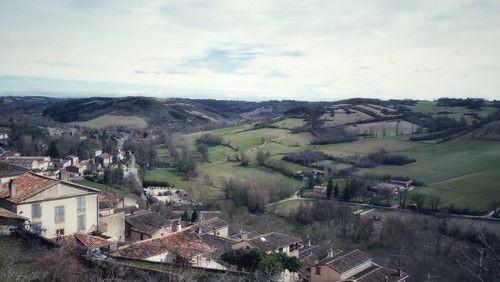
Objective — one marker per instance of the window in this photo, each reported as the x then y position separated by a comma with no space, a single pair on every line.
318,270
60,232
81,204
59,214
36,210
81,222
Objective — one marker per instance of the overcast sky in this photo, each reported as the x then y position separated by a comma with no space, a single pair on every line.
256,50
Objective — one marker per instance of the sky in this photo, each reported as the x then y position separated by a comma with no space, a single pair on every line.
251,50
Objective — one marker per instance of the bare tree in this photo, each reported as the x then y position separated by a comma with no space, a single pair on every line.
483,263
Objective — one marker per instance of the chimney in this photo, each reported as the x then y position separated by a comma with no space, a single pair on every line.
400,272
12,188
330,253
179,226
386,279
308,243
63,175
243,235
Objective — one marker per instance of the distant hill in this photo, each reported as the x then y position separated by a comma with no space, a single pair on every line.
159,112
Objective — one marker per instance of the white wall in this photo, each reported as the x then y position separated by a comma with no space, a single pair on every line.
51,198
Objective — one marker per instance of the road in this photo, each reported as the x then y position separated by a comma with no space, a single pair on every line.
131,170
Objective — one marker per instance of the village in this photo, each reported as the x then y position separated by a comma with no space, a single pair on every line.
37,195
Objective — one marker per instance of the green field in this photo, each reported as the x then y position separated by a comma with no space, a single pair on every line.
289,123
463,172
430,107
105,121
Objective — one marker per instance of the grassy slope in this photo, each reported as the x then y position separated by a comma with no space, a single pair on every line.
290,123
110,120
449,169
463,171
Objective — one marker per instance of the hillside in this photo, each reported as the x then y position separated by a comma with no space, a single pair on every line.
172,113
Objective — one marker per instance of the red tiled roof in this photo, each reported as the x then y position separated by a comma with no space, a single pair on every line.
210,225
76,240
27,185
272,241
344,262
9,170
382,274
185,244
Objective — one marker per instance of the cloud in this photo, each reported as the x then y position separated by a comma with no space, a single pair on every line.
322,50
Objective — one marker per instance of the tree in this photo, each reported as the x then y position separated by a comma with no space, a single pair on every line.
435,201
52,151
329,189
185,216
194,216
336,191
202,148
262,157
244,159
253,259
419,200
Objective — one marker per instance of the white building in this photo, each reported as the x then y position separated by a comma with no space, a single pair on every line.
53,207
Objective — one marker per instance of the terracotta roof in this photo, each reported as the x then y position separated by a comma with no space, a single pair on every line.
8,170
381,274
108,200
346,261
272,241
209,225
311,255
148,222
220,244
185,244
77,240
30,184
8,214
27,185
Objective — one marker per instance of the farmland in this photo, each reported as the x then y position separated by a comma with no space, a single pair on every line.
463,172
105,121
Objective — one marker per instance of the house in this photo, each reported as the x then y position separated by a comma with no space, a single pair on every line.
72,158
221,246
405,183
53,207
83,242
4,133
319,192
310,256
77,169
243,235
61,163
53,131
383,188
8,171
183,247
214,226
30,162
113,226
97,153
318,172
145,225
104,159
109,202
273,242
352,266
10,221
